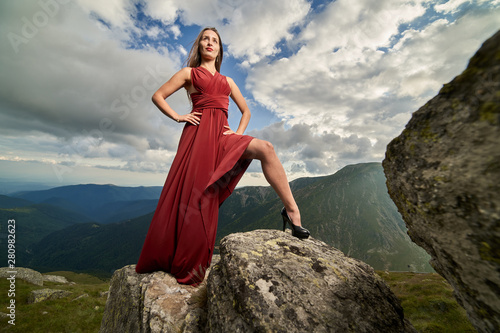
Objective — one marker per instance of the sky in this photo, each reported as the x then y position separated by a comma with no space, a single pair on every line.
329,83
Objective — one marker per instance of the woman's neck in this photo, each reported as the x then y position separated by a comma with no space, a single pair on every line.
210,65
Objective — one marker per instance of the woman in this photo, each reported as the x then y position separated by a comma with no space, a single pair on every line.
210,160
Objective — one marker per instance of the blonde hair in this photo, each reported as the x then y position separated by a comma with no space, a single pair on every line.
194,57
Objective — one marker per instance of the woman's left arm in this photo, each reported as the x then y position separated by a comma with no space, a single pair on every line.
238,98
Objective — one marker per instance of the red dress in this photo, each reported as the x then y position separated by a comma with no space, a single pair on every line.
204,172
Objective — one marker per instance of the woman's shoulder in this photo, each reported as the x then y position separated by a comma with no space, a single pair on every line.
186,70
230,81
184,73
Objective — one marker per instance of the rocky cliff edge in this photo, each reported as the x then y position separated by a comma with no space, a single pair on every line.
443,173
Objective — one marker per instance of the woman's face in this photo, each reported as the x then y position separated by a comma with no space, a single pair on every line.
209,45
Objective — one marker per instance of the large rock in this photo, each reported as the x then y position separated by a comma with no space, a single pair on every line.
55,278
150,303
22,273
41,295
443,173
269,281
265,281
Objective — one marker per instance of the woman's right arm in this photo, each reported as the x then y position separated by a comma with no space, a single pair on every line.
180,79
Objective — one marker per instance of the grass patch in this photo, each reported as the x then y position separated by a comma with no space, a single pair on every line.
428,302
78,277
60,315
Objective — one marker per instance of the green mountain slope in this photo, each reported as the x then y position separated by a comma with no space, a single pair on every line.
32,224
9,202
350,210
92,247
125,210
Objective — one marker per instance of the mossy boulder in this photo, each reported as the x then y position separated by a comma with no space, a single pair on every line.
41,295
55,279
22,273
443,174
270,281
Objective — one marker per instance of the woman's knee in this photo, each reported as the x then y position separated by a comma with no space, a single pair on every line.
265,148
259,149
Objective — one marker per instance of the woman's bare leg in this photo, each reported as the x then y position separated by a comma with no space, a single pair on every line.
275,175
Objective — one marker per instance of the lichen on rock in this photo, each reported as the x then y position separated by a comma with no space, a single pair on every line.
152,302
41,295
443,174
269,281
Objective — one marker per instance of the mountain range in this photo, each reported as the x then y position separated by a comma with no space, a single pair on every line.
99,228
100,203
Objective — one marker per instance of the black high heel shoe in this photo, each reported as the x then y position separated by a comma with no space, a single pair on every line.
297,231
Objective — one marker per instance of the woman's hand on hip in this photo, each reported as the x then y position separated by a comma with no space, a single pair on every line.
191,118
229,131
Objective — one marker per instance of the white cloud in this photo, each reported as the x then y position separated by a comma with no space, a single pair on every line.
306,150
256,27
429,58
453,6
73,93
165,10
113,12
450,6
154,32
175,31
353,78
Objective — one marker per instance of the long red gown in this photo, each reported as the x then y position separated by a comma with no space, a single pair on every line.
204,173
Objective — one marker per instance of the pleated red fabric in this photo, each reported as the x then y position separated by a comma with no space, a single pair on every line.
205,171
